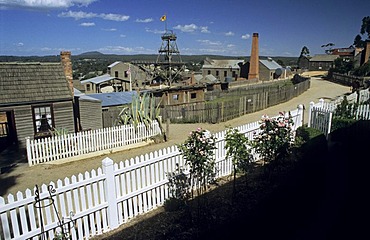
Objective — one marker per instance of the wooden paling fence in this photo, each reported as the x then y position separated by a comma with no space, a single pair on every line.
101,200
88,142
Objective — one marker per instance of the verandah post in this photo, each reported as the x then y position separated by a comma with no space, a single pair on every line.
110,192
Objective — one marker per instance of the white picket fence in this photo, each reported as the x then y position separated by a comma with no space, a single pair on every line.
321,113
76,145
103,199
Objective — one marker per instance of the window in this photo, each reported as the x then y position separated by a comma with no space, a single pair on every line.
209,72
234,74
217,73
193,95
225,73
126,74
116,74
43,119
175,97
88,87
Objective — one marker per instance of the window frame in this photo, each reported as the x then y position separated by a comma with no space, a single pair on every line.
51,119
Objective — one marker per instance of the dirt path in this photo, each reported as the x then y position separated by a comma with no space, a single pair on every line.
22,176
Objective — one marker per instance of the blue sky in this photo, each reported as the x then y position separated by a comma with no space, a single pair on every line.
220,27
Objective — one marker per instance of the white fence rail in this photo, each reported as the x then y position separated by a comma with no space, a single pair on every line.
84,143
105,198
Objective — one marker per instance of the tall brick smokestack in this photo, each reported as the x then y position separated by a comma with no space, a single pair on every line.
254,59
67,66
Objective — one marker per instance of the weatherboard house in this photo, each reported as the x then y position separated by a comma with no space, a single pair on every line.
34,99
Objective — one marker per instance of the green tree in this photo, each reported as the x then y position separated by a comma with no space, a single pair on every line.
328,47
365,27
364,31
343,65
305,52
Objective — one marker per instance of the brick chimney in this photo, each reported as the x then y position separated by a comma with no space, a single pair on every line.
254,59
67,66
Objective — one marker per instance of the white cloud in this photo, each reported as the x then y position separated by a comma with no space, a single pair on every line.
77,15
125,50
122,35
229,34
213,51
114,17
204,30
155,31
147,20
106,16
87,24
208,42
44,4
20,44
230,45
186,28
246,36
109,29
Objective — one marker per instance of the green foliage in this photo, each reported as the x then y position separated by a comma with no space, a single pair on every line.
309,143
275,139
238,150
58,131
338,123
179,188
199,155
363,71
345,110
143,110
343,65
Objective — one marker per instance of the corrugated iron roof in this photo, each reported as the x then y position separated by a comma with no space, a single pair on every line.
270,64
114,64
223,64
114,98
23,83
98,79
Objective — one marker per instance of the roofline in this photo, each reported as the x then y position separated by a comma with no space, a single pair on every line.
36,102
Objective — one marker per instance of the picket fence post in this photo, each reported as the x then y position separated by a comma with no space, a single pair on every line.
299,120
312,104
110,192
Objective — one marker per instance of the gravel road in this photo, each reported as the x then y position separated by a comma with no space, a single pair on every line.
22,176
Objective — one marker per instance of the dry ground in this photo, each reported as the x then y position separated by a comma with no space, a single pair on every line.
22,176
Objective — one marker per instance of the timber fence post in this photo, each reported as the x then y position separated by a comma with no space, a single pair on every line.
110,192
299,121
312,104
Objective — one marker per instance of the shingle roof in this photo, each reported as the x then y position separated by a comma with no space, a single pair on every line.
23,83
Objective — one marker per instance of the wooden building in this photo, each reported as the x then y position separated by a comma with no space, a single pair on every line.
35,98
322,62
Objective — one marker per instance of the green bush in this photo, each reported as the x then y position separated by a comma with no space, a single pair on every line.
310,141
338,123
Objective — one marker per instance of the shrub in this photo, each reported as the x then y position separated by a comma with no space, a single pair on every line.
198,153
238,150
275,139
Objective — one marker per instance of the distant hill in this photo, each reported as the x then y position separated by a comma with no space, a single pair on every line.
288,61
93,53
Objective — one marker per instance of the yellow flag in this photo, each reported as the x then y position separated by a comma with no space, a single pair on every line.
163,18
